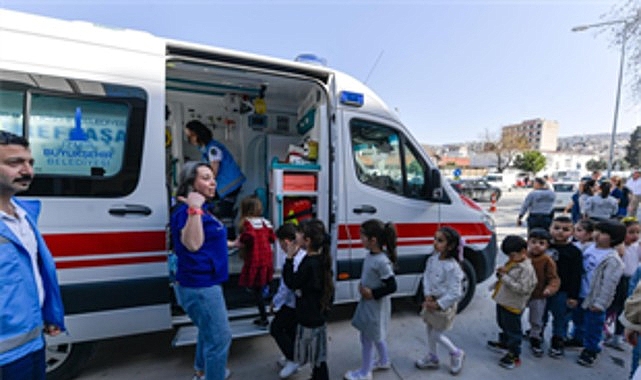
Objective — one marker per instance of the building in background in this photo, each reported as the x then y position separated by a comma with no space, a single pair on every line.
540,134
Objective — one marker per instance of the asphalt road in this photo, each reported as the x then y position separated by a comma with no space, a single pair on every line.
151,357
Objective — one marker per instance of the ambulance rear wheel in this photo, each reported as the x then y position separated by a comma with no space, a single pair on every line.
64,361
468,284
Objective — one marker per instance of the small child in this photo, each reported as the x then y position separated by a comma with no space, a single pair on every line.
547,284
314,288
283,326
583,234
256,239
635,342
516,281
374,309
442,290
631,258
602,269
569,266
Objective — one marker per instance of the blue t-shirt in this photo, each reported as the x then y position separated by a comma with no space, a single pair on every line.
207,266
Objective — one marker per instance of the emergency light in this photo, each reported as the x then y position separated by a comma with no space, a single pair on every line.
352,99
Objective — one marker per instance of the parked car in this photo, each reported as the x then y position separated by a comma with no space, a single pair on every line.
477,189
503,181
563,191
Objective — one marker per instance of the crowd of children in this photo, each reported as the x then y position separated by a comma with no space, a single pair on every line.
580,273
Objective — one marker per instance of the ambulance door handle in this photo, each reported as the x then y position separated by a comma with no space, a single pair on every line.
130,209
365,209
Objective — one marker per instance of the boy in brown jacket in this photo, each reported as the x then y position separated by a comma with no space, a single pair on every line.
548,284
516,280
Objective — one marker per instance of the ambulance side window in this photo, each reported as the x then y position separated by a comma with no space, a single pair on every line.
415,174
382,159
86,137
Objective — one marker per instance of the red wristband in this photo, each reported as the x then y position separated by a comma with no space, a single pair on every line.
194,211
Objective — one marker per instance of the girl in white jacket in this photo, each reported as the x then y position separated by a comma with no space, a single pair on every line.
442,290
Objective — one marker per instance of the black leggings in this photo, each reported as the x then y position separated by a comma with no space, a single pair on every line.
260,301
320,372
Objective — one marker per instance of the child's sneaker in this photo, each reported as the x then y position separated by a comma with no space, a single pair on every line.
355,375
616,342
587,358
496,346
510,361
556,347
456,361
536,347
261,323
379,365
429,362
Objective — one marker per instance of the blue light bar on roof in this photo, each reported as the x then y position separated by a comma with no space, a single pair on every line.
352,99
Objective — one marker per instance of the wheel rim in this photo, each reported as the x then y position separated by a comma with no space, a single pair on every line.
465,284
56,355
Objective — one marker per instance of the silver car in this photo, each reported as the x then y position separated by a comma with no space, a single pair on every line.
563,191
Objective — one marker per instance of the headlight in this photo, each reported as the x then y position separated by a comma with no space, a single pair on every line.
489,221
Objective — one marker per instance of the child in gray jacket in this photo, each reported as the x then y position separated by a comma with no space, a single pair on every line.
602,269
516,281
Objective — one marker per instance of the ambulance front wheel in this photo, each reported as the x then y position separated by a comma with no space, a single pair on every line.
64,361
468,284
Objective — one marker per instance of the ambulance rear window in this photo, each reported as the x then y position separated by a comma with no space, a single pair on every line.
86,137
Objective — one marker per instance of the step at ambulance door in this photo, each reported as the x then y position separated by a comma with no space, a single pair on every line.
384,179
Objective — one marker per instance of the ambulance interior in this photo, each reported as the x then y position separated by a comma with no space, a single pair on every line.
264,120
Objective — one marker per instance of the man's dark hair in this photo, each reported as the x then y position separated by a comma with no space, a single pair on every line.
540,181
8,138
513,243
203,134
539,233
562,219
615,229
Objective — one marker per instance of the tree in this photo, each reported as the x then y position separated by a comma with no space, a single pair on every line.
505,148
633,150
629,10
530,161
593,165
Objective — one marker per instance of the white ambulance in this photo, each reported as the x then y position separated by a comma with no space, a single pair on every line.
104,111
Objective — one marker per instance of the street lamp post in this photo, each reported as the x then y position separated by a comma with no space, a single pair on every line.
624,37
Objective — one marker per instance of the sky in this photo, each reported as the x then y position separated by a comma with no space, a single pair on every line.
455,71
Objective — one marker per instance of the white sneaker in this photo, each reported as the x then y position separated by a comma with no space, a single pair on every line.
428,362
615,341
456,362
288,369
227,373
354,375
281,361
381,365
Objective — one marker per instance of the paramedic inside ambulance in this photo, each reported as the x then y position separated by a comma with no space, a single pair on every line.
229,177
30,291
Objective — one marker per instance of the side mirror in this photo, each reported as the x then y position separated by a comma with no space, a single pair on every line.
434,186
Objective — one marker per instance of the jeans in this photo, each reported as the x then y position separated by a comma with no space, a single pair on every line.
28,367
636,351
206,308
510,324
557,305
577,321
589,328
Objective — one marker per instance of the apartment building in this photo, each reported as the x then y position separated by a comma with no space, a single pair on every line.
540,134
